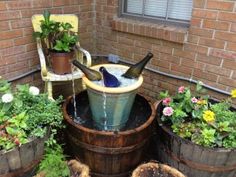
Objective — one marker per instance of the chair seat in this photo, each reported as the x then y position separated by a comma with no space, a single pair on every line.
51,76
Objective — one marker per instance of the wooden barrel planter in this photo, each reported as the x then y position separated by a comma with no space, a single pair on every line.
192,159
21,161
109,154
152,169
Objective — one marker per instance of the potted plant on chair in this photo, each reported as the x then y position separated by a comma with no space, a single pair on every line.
59,41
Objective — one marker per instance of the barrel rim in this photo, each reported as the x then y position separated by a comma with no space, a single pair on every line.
108,133
168,131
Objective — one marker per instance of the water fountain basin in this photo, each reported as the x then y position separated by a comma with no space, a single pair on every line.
109,153
111,107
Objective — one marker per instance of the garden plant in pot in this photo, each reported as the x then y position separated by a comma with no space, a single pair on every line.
196,134
28,118
59,41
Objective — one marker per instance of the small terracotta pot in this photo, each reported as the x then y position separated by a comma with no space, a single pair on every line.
61,62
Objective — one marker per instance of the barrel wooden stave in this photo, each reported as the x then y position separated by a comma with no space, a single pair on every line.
28,157
103,159
20,160
3,164
13,159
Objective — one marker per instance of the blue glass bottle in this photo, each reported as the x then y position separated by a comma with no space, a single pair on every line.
109,79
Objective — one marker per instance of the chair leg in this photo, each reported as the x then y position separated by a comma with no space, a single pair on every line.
45,87
83,85
49,89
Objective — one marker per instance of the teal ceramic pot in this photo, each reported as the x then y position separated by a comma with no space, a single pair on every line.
111,107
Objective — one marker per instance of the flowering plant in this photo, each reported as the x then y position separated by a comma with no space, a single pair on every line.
196,117
25,113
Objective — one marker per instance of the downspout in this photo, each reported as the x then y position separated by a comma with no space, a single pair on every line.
116,59
37,69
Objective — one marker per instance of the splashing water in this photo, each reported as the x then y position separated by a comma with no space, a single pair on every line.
104,111
77,119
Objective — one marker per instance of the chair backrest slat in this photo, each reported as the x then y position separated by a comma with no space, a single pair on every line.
66,18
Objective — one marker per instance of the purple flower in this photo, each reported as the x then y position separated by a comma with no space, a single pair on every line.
181,89
168,111
194,100
166,101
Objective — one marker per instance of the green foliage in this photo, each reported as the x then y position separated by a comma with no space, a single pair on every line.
195,118
55,35
164,94
24,113
4,86
205,138
65,42
13,131
54,163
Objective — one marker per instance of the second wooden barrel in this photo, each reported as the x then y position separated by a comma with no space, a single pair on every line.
113,154
191,159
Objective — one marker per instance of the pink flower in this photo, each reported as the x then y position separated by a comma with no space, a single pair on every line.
168,111
194,100
166,101
181,89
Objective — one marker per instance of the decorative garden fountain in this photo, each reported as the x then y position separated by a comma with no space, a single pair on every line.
115,123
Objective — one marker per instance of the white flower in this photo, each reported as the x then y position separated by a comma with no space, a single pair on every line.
200,83
34,90
7,98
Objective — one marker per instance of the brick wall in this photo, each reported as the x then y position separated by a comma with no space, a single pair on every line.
205,51
18,49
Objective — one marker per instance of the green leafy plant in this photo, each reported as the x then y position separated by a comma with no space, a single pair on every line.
25,113
56,36
195,117
54,163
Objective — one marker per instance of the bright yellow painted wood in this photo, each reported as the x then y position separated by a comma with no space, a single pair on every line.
47,75
66,18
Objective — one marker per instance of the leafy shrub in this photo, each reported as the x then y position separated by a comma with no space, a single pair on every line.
194,117
25,113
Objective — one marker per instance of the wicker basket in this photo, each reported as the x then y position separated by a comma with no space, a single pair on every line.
152,169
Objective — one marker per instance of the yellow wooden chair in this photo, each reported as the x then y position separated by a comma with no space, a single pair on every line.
47,75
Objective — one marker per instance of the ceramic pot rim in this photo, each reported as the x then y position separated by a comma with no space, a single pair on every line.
94,86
